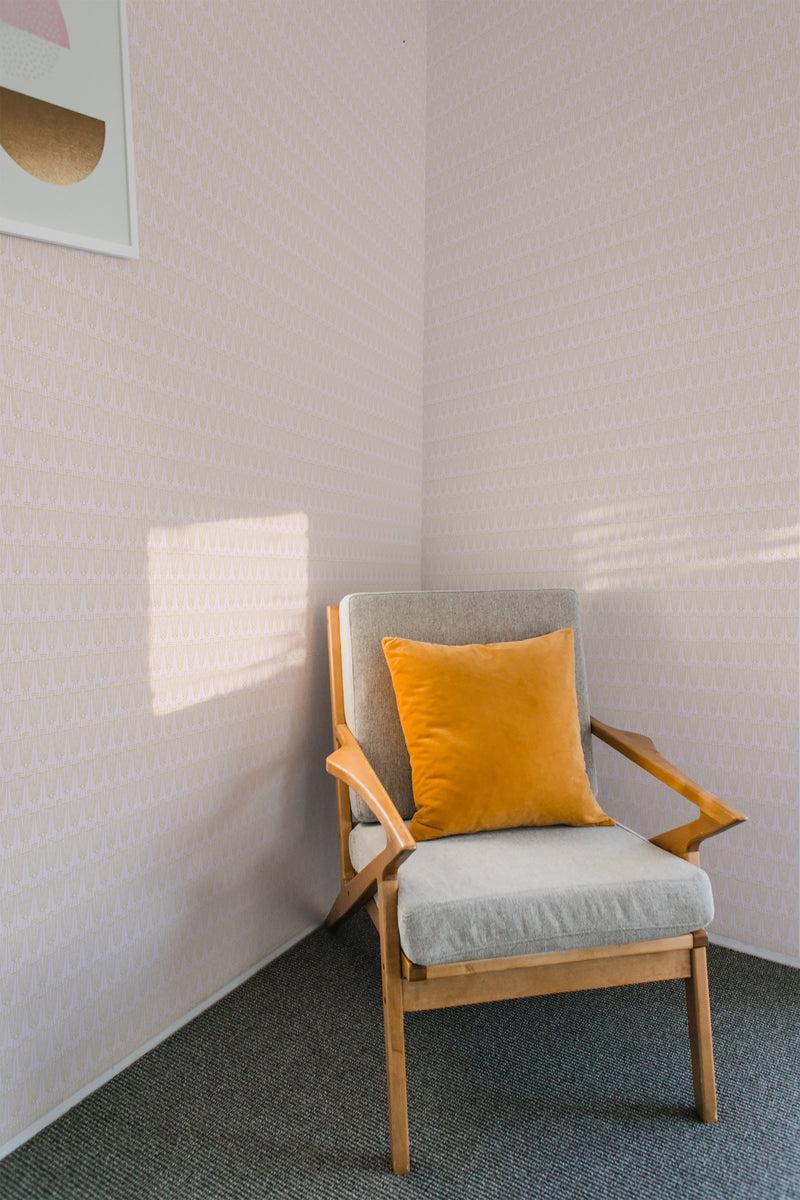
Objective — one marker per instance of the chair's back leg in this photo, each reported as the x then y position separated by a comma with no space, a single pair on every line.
337,713
391,973
699,1012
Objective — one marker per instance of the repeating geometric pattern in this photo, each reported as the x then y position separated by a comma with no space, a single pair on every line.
611,380
200,450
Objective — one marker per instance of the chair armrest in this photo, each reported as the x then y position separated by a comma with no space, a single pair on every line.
350,764
715,814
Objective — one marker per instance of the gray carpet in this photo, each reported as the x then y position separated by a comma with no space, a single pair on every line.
278,1091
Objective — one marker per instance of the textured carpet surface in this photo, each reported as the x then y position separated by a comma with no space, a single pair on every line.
278,1091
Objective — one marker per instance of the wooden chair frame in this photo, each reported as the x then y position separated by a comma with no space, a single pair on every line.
411,987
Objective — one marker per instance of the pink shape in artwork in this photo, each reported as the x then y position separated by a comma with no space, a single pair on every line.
43,18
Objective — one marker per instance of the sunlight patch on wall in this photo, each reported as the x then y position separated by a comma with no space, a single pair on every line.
228,606
616,546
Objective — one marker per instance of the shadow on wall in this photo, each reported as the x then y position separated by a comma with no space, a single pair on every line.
237,840
172,820
691,637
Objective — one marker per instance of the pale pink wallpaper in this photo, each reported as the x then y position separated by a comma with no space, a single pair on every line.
200,449
611,380
589,216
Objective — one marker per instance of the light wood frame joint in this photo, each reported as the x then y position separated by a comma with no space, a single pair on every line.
715,814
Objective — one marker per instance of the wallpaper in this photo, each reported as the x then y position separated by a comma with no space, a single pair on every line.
611,381
201,449
581,240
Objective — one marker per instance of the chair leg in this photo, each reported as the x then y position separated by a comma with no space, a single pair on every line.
699,1012
393,1027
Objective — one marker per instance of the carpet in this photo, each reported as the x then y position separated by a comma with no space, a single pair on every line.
278,1091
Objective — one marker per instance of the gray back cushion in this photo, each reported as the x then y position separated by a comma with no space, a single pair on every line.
448,618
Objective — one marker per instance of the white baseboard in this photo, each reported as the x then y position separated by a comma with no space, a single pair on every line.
65,1105
54,1114
772,956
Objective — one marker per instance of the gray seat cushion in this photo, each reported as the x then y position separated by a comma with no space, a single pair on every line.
530,891
448,618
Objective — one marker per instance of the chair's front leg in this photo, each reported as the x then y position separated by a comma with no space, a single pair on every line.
699,1012
393,1025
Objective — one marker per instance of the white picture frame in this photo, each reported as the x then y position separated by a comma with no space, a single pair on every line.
74,63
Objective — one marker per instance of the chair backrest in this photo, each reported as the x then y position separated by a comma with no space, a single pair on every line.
449,618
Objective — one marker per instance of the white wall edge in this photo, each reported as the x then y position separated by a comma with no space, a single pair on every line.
87,1090
755,951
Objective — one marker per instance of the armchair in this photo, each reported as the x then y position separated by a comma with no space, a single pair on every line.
511,912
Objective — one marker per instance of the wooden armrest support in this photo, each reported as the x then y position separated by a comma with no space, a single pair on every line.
350,764
715,814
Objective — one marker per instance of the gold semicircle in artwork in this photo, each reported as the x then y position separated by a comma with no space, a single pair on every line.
56,145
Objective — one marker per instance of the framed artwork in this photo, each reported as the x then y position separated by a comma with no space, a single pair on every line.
66,150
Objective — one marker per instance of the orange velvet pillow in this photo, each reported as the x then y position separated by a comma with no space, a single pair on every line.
493,734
